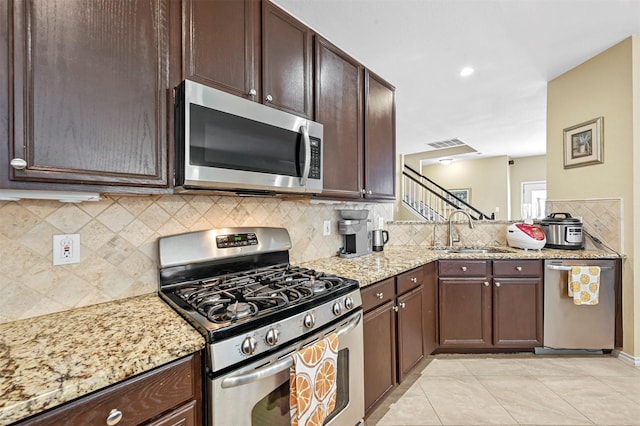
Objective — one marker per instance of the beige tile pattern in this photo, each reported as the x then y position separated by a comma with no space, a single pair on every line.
118,242
520,389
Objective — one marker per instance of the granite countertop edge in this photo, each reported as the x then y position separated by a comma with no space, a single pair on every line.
394,260
49,360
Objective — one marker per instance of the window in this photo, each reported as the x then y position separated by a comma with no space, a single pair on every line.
534,198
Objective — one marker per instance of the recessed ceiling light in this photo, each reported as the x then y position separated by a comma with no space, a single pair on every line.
446,161
466,71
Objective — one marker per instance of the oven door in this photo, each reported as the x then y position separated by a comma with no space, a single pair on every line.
258,394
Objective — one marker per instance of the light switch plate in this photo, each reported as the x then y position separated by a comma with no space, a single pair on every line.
66,249
326,228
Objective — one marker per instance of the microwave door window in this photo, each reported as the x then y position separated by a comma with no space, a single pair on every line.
223,140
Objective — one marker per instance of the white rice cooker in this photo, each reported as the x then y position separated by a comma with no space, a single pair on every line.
526,236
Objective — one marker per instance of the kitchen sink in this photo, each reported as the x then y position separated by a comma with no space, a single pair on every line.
471,250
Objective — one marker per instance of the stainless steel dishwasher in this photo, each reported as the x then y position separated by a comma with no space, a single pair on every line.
570,326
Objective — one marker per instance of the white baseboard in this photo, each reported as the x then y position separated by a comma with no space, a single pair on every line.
626,358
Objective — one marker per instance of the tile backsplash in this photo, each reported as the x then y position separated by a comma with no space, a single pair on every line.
118,241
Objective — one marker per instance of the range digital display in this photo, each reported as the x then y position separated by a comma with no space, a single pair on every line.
236,240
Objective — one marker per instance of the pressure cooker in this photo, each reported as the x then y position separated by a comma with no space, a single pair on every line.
563,231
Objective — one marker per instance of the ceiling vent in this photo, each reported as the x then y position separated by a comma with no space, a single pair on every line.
450,143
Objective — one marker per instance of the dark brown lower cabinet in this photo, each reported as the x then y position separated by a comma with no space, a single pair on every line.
394,330
170,395
490,304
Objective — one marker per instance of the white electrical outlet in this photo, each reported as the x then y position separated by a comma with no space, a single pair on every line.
380,222
326,228
66,249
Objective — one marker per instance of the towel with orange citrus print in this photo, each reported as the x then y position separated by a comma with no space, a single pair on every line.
584,285
312,395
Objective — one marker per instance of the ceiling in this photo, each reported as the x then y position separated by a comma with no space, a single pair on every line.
515,47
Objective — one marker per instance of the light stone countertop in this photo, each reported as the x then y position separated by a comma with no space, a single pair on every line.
394,260
46,361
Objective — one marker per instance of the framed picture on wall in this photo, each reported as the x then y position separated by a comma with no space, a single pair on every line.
463,194
583,143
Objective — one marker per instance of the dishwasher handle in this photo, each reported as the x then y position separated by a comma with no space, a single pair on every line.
568,268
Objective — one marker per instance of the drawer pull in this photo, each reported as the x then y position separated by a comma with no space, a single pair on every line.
497,284
519,268
414,280
464,268
486,283
380,295
114,417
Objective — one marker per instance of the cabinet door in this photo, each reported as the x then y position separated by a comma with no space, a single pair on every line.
286,62
465,313
379,354
90,86
221,40
517,312
338,95
380,138
430,308
410,331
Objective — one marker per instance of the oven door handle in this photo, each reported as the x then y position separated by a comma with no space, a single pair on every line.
278,366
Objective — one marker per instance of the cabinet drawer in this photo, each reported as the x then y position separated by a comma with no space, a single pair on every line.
378,293
410,280
138,399
517,268
463,268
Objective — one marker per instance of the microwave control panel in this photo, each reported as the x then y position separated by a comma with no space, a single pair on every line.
314,171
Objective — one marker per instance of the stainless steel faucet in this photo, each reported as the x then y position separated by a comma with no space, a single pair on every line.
451,239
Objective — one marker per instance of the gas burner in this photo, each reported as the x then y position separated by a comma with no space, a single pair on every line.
241,310
317,286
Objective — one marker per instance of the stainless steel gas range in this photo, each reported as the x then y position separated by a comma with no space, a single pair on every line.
237,287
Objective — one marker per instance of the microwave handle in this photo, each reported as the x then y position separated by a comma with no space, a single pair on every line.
307,155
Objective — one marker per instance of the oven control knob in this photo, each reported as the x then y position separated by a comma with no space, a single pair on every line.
309,321
272,337
248,346
337,308
348,303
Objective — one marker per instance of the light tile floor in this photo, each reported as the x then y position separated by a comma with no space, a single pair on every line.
515,390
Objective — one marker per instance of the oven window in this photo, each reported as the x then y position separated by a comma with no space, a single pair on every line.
219,139
273,410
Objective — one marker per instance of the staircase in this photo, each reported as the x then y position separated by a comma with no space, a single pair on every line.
432,202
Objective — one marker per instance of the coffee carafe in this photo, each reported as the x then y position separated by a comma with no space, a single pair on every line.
379,238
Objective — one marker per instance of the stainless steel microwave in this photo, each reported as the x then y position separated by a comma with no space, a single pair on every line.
224,142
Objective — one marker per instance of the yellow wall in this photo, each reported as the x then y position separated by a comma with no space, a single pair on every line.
600,87
488,179
526,169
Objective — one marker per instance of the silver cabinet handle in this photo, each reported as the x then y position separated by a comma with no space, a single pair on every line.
369,192
464,268
364,191
395,308
497,284
414,280
269,98
486,283
380,295
114,417
18,163
253,93
519,268
403,305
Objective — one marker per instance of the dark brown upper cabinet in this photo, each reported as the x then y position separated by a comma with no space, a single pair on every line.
88,90
338,95
287,73
252,49
221,44
379,138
